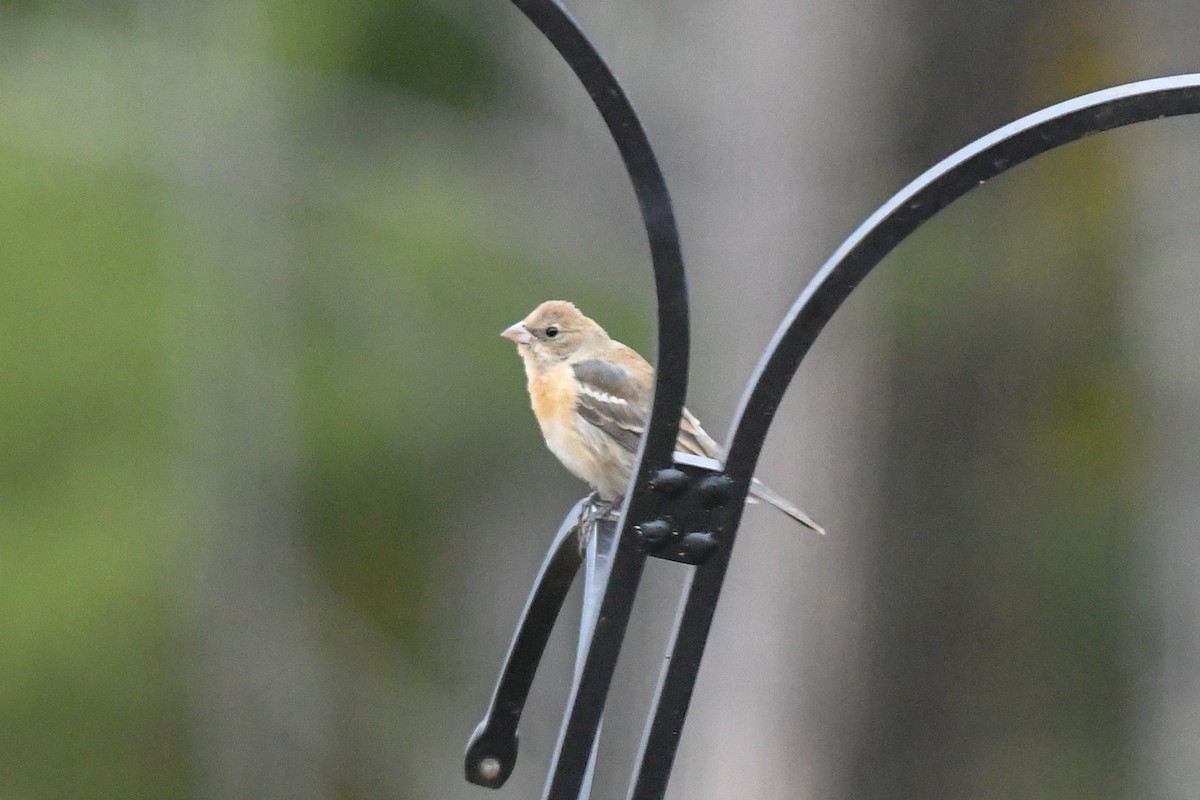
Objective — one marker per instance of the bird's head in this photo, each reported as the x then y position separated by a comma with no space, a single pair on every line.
555,331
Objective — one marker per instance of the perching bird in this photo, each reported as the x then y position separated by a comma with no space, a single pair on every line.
591,396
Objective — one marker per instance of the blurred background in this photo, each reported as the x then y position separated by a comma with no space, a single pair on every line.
271,496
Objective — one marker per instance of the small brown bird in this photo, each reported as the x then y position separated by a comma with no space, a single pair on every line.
591,397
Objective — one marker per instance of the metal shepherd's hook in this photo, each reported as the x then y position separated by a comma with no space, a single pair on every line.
688,509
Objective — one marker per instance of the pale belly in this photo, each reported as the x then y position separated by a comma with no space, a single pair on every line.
589,454
586,451
559,438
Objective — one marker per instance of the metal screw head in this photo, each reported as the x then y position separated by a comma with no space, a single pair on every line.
669,481
655,532
714,490
698,546
489,768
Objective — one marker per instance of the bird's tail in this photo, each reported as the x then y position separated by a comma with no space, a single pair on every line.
762,492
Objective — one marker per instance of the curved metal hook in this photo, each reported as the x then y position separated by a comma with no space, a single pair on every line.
598,659
850,263
670,389
914,205
853,260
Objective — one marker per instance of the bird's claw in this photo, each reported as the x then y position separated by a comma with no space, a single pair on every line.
594,511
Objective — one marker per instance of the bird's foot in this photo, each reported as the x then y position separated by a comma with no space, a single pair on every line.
594,511
597,509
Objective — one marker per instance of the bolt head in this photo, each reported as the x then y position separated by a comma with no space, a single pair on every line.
669,481
715,490
698,546
489,768
655,533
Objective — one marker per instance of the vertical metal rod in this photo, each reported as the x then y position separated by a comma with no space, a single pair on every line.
576,741
597,565
673,695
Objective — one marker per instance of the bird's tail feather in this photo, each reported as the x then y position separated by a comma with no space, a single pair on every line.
763,492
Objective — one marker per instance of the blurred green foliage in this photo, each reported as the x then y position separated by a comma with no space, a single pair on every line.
405,273
438,52
89,694
92,671
395,425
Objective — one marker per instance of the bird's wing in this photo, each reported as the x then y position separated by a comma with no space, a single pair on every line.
611,398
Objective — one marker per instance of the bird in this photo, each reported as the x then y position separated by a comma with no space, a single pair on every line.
591,395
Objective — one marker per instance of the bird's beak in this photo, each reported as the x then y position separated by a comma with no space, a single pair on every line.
517,333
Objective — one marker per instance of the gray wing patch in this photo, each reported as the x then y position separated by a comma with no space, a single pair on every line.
610,399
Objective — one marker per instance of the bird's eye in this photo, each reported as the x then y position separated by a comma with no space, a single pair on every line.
551,332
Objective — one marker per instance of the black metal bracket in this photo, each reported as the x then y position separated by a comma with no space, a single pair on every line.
686,509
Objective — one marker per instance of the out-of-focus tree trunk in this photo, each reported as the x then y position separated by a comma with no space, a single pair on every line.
1008,469
260,715
1166,321
777,140
1168,596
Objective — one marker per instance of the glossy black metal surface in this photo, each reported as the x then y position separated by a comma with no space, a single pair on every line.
687,509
